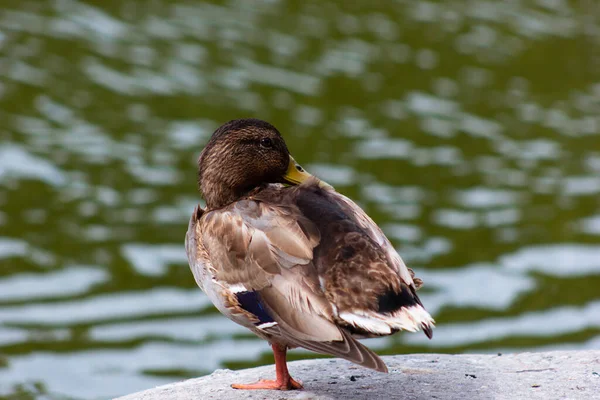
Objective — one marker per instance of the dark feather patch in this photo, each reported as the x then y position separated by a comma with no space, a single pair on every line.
251,302
317,207
347,252
428,331
391,301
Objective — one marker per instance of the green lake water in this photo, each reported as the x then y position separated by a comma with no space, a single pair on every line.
469,130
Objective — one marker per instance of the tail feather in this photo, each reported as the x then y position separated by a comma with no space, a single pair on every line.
412,318
349,349
427,330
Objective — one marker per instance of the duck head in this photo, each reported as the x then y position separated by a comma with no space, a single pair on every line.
241,155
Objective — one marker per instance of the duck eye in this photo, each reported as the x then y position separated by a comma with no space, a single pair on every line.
266,142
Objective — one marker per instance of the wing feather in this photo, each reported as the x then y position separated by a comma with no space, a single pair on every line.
275,261
361,272
377,235
255,246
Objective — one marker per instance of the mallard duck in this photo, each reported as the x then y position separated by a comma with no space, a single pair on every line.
282,253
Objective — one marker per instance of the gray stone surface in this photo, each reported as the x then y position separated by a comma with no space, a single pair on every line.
553,375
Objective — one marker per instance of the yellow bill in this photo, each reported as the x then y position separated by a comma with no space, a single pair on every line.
296,175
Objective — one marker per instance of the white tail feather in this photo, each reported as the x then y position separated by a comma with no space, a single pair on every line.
367,323
413,319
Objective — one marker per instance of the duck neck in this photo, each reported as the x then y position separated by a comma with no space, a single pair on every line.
217,194
220,190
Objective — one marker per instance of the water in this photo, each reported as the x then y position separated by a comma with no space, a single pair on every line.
469,130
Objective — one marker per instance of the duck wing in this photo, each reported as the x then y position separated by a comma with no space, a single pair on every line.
258,255
360,271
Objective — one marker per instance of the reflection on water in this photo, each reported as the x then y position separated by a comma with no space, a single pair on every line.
468,130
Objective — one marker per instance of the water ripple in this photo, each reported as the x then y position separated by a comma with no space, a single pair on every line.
106,307
51,285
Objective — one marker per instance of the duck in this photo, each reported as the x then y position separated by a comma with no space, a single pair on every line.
282,253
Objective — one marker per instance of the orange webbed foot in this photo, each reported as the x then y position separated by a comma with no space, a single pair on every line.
266,384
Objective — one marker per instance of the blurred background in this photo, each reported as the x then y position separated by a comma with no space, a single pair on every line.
469,130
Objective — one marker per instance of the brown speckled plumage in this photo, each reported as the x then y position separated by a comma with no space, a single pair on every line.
299,265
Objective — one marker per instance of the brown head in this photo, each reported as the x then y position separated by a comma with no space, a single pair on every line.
242,155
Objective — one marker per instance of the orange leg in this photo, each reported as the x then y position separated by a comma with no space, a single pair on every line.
283,380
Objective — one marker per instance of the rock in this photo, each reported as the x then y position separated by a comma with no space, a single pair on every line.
552,375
